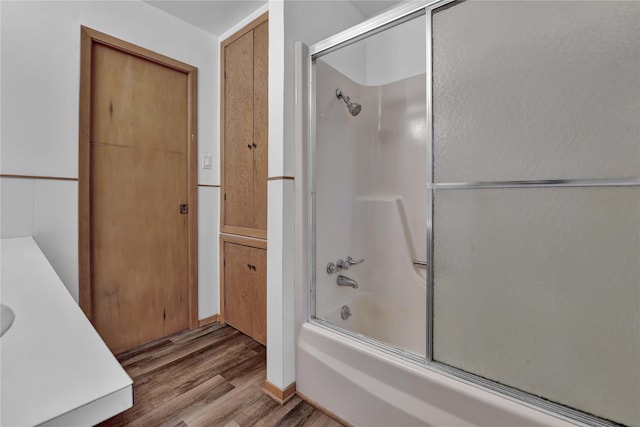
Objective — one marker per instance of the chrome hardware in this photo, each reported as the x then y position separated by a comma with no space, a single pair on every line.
331,268
351,261
420,263
346,281
342,265
345,313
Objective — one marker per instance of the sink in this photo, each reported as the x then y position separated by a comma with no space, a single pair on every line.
8,316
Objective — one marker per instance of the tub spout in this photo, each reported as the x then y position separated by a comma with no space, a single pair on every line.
346,281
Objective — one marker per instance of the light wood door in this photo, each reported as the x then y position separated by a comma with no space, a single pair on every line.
245,131
245,295
260,124
238,138
138,180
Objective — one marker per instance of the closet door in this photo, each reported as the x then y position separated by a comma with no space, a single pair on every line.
245,130
261,124
238,147
238,279
245,295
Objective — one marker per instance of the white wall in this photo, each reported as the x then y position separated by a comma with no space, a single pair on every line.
16,206
40,78
289,22
397,53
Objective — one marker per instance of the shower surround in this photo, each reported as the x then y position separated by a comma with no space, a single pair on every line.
371,205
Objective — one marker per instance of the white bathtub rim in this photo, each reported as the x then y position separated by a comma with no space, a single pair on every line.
431,373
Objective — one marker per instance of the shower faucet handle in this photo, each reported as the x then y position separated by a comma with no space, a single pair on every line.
350,261
331,268
342,265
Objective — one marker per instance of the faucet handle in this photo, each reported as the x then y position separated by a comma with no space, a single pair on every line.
331,268
350,261
342,264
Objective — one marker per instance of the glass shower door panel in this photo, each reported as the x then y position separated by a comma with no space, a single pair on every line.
370,197
544,89
539,289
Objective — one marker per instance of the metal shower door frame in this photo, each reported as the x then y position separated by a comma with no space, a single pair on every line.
380,23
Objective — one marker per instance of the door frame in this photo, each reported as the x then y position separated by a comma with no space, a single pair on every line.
88,38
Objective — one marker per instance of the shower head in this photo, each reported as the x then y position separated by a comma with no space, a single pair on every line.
354,107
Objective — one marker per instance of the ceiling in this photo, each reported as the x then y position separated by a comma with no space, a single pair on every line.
218,16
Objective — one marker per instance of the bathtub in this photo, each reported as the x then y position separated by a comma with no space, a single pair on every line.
376,317
338,368
369,387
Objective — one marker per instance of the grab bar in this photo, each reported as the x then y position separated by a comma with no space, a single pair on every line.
420,263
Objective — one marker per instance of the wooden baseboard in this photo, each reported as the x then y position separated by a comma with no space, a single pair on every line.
324,410
277,394
208,320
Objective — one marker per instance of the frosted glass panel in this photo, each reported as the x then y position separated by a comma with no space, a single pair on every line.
545,90
539,289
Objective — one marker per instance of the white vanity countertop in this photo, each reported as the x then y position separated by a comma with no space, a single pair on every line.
54,367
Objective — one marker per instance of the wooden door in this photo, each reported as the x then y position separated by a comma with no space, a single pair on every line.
245,295
139,186
260,124
259,270
238,136
238,279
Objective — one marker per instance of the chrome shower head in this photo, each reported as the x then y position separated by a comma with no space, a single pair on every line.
354,107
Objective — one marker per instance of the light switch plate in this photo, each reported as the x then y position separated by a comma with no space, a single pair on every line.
206,161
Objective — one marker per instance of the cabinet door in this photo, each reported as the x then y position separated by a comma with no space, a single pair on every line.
259,260
239,295
261,123
245,289
238,133
245,130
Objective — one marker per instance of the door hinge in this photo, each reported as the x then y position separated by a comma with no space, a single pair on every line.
184,208
225,196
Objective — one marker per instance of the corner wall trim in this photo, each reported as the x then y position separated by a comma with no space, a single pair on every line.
277,394
277,178
208,320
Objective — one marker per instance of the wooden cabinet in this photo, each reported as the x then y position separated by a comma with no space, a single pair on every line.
244,60
244,130
244,265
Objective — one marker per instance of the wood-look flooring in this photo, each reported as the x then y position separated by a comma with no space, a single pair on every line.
211,376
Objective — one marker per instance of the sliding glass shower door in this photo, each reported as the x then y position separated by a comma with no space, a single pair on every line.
536,199
475,196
